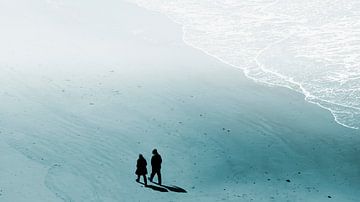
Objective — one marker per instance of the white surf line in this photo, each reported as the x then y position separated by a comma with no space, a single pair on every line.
246,71
307,94
304,91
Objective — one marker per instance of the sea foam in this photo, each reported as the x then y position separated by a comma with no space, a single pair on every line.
309,46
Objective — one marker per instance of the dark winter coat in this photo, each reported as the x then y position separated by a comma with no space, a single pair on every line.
156,162
141,167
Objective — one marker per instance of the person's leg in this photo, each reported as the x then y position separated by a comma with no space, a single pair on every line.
138,178
145,180
159,177
152,176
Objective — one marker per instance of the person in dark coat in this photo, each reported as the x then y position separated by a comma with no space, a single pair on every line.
141,169
156,166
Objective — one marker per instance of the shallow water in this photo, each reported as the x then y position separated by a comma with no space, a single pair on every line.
310,46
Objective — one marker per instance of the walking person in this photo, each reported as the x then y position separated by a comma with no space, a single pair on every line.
141,169
156,166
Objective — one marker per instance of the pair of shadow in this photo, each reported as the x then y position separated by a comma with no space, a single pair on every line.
164,188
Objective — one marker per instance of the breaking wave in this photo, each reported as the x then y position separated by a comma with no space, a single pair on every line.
311,46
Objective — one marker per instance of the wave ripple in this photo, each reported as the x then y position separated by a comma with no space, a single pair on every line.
310,46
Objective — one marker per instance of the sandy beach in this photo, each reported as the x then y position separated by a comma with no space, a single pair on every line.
73,121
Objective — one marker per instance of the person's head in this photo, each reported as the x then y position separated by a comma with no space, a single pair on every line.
141,156
155,151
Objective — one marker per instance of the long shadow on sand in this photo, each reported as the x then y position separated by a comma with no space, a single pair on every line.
155,188
173,188
164,188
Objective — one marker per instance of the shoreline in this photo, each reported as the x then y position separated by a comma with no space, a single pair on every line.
305,93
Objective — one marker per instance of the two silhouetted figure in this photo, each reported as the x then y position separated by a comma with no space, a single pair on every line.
155,164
